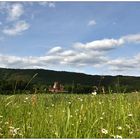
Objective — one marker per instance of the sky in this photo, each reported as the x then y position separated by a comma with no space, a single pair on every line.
88,37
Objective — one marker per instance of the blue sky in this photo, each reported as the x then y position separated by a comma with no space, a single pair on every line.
89,37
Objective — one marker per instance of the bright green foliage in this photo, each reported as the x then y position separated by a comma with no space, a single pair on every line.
70,116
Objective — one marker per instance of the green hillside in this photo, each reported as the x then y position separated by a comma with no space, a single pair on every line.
47,77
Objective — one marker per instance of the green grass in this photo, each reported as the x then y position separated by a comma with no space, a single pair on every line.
70,116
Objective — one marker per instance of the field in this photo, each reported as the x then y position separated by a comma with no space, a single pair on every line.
70,116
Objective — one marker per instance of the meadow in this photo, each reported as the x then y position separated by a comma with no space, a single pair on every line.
70,116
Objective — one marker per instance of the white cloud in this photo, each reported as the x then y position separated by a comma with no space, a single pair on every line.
133,38
15,12
16,29
90,55
92,23
46,3
68,53
100,45
55,50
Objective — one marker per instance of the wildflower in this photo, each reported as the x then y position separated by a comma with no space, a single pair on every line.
76,110
101,118
119,128
56,133
118,137
94,93
29,113
52,105
131,132
26,98
69,103
100,103
103,113
6,123
11,127
13,131
104,131
81,100
130,115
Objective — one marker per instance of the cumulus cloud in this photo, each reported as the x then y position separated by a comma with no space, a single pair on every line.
133,38
125,64
15,11
55,50
16,29
91,54
102,45
91,23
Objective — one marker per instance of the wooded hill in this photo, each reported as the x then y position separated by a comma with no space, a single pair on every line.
82,82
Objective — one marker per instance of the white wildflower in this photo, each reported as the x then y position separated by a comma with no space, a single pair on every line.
26,98
11,127
130,115
63,111
6,123
69,103
118,137
119,128
100,103
103,113
52,105
104,131
101,118
76,110
94,93
131,132
29,113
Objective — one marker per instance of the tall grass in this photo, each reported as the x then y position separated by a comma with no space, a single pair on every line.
70,116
